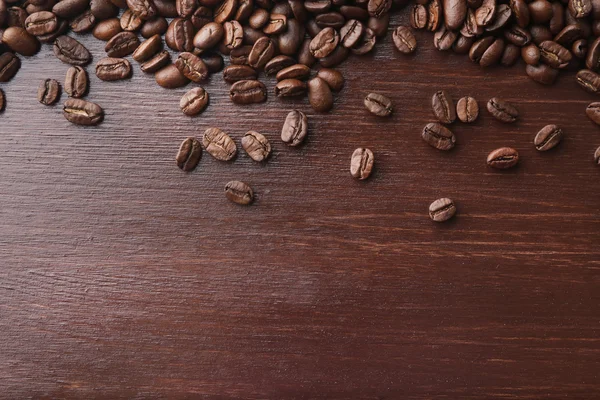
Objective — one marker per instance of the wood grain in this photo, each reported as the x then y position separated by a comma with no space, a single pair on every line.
123,277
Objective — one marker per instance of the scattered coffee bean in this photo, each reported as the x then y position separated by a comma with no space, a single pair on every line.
296,71
324,43
332,77
361,163
239,192
48,92
278,63
76,82
503,158
404,40
113,69
378,104
438,136
295,128
442,210
41,23
194,101
192,67
319,95
290,88
157,62
593,112
148,49
548,137
262,52
122,44
9,66
542,73
18,40
189,154
170,77
256,145
589,80
218,144
467,109
248,92
107,29
443,107
70,51
502,110
82,112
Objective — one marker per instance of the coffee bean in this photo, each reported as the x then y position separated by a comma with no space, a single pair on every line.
168,8
503,14
444,39
511,55
542,73
597,156
455,12
361,163
155,26
351,33
580,8
548,137
244,10
319,95
113,69
48,92
103,9
569,34
218,144
377,8
485,14
517,36
470,27
122,44
277,23
580,49
84,22
208,36
148,49
295,128
107,29
194,101
442,210
503,158
2,100
9,66
324,43
404,40
170,77
233,34
443,107
259,18
463,45
378,25
70,51
70,8
296,71
290,41
41,23
76,82
262,52
467,109
248,92
502,110
521,12
82,112
185,8
593,112
189,154
239,193
256,145
290,88
213,61
378,104
305,56
240,55
234,73
363,47
554,54
331,19
438,136
531,54
192,67
589,80
19,41
418,16
130,22
333,78
156,63
144,9
226,11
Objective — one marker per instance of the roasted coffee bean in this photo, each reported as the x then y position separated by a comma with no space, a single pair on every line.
82,112
185,8
597,156
438,136
148,49
278,63
76,82
521,12
593,112
503,15
548,137
455,12
531,54
218,144
467,109
592,60
351,33
470,27
333,78
517,36
443,107
580,8
144,9
568,35
444,39
70,51
540,33
107,29
192,67
103,9
485,14
295,128
317,6
130,22
296,71
113,69
156,63
492,54
226,11
361,163
540,11
122,44
168,8
378,104
259,18
9,66
479,48
542,73
305,56
48,92
155,26
19,41
580,49
589,80
239,193
63,26
404,40
170,77
70,8
256,145
557,22
442,210
554,54
339,55
189,154
180,35
324,43
463,45
83,22
2,100
434,15
234,73
356,12
262,52
277,23
418,16
290,41
213,61
319,95
233,34
377,8
333,20
511,55
240,55
244,10
41,23
208,36
503,158
248,92
290,88
502,110
194,101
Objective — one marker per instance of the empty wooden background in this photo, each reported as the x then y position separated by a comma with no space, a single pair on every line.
123,277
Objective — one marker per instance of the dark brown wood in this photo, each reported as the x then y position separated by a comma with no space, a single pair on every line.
123,277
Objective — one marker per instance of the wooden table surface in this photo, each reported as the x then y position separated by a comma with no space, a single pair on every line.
123,277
